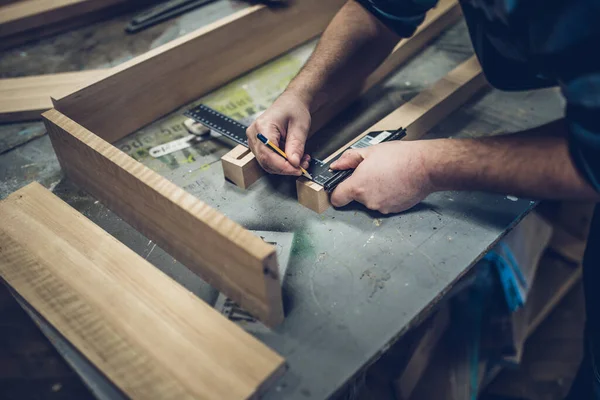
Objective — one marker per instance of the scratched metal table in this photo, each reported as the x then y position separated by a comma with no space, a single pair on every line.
356,280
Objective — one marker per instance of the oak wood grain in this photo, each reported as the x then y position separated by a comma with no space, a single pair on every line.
147,334
26,98
222,252
147,87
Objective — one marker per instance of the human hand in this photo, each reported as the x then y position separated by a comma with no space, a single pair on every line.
285,123
389,177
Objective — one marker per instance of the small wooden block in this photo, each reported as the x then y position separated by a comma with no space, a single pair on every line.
240,167
312,195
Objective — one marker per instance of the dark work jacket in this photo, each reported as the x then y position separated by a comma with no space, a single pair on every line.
529,44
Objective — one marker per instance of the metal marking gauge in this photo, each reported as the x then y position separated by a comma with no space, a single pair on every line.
318,169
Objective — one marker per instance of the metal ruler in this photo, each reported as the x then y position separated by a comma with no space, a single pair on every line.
318,169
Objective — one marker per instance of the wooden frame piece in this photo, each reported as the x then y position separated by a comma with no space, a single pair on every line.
27,20
135,93
240,166
150,336
417,116
26,98
147,87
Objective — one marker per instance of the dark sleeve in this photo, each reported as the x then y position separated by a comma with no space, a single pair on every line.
401,16
582,94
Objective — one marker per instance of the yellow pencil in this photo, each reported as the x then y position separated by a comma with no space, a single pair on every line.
266,141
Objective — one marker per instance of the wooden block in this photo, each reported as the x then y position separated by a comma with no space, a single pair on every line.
312,195
438,19
151,337
23,99
31,19
227,256
422,355
417,116
147,87
238,170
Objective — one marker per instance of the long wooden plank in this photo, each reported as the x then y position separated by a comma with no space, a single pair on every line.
31,19
226,255
240,165
145,88
417,116
30,14
146,333
26,98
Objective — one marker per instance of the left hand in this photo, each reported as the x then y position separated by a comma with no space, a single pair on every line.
389,177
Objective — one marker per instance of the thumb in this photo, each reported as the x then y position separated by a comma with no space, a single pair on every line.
343,193
349,160
294,143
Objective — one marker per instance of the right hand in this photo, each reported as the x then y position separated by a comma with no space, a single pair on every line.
286,124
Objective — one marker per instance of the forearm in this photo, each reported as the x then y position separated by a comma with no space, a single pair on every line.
534,164
351,47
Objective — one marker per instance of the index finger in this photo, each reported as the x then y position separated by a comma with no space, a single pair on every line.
269,160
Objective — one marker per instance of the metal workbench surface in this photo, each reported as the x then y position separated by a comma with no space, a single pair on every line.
356,280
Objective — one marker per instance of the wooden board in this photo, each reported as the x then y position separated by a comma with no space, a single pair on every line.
227,256
146,333
31,19
417,116
244,172
23,99
147,87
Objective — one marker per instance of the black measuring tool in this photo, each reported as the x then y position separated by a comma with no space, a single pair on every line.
319,170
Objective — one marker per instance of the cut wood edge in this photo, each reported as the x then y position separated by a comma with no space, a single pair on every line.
438,19
26,98
30,20
223,253
140,328
238,168
417,116
149,86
